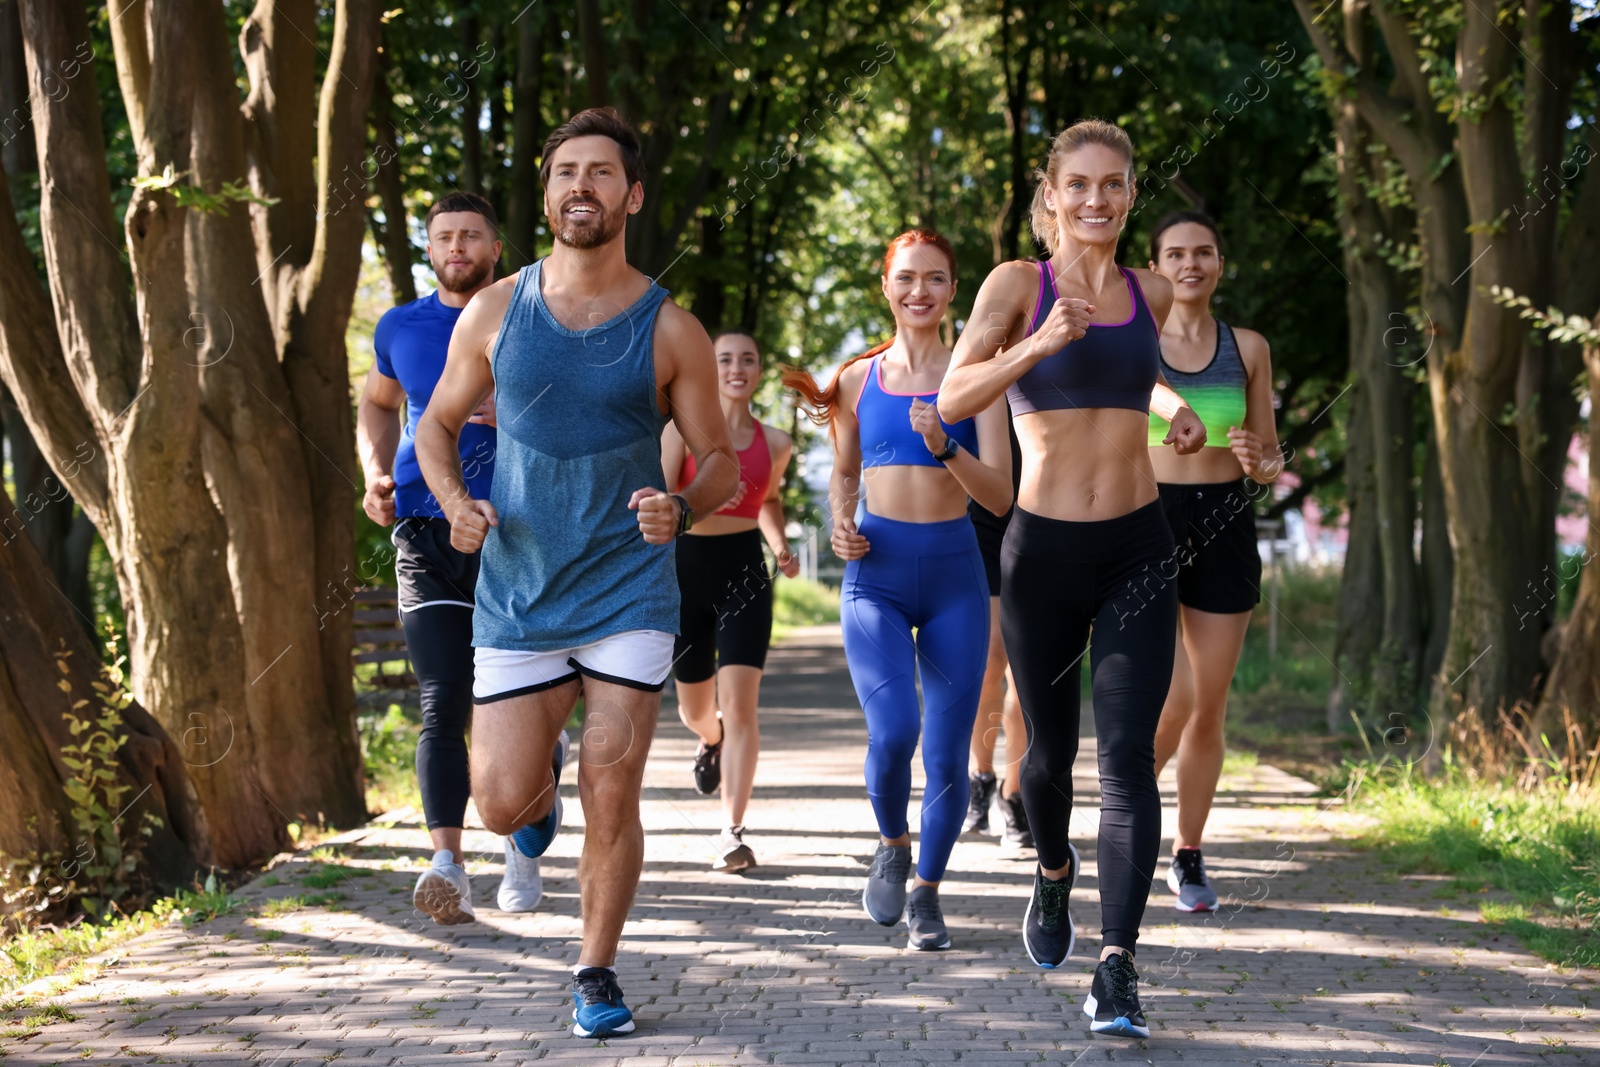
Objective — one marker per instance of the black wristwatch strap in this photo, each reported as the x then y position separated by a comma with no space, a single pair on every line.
950,450
685,516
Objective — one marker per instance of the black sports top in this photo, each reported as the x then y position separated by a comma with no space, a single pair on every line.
1114,365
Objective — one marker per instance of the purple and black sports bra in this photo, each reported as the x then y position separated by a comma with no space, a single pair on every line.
1114,365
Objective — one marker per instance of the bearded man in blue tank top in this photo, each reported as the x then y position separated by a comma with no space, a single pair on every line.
578,591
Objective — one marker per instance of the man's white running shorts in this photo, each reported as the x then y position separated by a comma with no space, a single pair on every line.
638,659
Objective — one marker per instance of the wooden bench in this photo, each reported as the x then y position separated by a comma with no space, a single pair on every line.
379,639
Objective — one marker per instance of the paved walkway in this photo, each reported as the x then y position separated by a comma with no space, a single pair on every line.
1319,955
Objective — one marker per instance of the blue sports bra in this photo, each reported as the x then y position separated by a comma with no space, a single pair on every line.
887,439
1114,365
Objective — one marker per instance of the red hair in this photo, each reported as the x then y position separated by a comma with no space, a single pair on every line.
817,402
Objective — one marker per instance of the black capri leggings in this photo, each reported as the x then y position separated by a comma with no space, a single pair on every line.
726,613
436,584
1110,586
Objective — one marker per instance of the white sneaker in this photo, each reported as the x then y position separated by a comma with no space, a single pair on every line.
444,892
522,888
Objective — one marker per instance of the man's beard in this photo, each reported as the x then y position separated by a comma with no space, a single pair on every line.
584,236
462,279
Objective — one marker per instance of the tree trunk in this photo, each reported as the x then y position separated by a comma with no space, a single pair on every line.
16,139
36,628
388,183
1574,682
524,209
471,135
592,36
1360,617
1438,564
45,508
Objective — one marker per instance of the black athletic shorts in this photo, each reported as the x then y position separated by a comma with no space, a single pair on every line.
1214,526
991,535
427,569
726,617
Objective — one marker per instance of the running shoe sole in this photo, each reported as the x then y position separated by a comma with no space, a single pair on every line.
1190,910
740,859
940,947
437,898
1121,1026
600,1031
1072,929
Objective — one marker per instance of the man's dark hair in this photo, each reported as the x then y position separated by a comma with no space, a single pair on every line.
598,122
463,202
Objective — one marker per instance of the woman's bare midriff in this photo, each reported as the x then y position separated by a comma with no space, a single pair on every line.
913,494
1206,467
715,525
1084,465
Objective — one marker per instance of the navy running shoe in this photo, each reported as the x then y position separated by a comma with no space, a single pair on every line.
532,840
1113,1003
1047,930
597,1008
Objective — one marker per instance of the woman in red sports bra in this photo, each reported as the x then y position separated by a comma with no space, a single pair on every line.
726,621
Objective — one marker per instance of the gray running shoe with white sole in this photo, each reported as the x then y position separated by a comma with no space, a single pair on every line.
926,919
1186,876
885,894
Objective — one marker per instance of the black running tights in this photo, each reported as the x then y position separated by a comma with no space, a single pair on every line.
1109,587
439,641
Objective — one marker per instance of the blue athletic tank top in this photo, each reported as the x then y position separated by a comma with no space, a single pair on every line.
579,432
1114,365
411,342
887,439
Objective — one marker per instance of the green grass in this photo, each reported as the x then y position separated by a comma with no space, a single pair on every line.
32,954
285,905
1541,848
802,602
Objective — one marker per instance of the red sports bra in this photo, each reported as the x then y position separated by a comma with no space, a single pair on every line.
755,471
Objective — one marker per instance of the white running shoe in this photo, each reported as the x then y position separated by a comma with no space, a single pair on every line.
443,892
522,888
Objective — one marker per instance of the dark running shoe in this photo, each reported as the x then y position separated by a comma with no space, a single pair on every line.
885,894
708,767
1187,878
926,919
1113,1004
1047,930
597,1008
1016,834
980,791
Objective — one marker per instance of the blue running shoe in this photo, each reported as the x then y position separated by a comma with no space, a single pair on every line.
1113,1002
597,1008
532,840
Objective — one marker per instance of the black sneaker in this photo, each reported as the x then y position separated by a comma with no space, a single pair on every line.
1113,1004
885,894
1047,930
926,920
708,767
1016,834
980,791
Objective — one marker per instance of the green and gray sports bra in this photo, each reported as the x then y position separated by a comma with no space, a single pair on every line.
1216,391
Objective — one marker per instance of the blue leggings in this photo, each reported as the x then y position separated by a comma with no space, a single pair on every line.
926,577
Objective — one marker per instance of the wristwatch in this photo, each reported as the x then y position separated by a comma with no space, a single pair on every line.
950,450
685,516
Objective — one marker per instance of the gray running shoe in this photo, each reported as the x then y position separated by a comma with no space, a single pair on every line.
1187,878
443,892
1016,834
926,920
885,894
980,792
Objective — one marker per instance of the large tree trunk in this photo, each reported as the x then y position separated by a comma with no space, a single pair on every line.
16,139
1360,615
524,208
45,508
214,407
37,631
1574,682
389,185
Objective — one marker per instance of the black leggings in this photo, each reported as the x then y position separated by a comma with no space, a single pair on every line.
436,593
726,614
1110,586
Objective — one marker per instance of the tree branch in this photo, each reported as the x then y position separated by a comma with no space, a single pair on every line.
130,43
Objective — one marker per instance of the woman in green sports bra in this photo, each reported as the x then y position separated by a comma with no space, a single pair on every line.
1225,375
